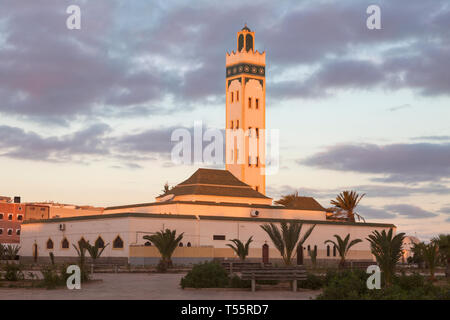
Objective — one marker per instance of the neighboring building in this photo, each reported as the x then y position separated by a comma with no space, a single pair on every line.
210,208
50,210
11,218
408,244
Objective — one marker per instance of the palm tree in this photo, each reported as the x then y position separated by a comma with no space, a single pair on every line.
81,251
239,247
346,203
286,240
417,250
166,242
11,251
387,250
288,200
343,246
443,242
430,254
95,251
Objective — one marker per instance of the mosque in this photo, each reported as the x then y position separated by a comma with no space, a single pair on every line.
212,206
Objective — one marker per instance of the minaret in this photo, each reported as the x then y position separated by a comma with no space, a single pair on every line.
246,111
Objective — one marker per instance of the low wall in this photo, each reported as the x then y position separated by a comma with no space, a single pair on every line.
122,261
149,255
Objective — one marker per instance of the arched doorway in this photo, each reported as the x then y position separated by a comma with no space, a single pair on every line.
265,253
300,255
35,252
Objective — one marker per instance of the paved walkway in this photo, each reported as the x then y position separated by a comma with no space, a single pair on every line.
148,286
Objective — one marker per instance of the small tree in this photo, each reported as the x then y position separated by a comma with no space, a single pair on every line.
95,251
387,250
11,251
286,239
443,242
240,248
430,254
313,255
343,246
81,251
2,251
166,242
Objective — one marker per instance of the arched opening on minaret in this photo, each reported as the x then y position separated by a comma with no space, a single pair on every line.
248,42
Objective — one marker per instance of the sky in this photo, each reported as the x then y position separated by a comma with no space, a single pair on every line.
86,115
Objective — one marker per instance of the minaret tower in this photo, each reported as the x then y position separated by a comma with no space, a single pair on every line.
246,111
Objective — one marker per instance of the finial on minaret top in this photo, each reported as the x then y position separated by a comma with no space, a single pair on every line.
245,28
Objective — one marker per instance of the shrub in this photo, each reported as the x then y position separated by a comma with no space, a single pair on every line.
206,275
51,277
352,285
13,272
312,281
344,285
237,282
55,276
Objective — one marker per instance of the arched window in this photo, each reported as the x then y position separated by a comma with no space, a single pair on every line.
315,248
49,244
99,243
189,244
19,217
118,243
180,244
241,42
334,251
328,251
18,232
65,244
309,248
148,244
9,232
248,42
1,216
82,241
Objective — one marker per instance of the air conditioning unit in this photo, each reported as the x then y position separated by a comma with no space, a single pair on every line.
254,213
62,226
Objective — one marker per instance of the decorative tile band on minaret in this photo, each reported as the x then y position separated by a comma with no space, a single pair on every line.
246,110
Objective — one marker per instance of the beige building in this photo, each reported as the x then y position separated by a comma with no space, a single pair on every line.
212,206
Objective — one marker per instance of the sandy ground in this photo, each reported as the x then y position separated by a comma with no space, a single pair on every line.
149,286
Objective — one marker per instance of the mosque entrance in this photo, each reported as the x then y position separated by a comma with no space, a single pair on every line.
265,253
35,252
300,255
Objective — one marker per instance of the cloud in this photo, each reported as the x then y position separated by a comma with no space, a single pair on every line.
396,162
124,63
432,138
400,107
369,212
445,210
410,211
20,144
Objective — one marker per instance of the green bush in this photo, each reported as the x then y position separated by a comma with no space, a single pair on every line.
312,281
56,276
51,277
344,285
206,275
237,282
13,272
351,285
